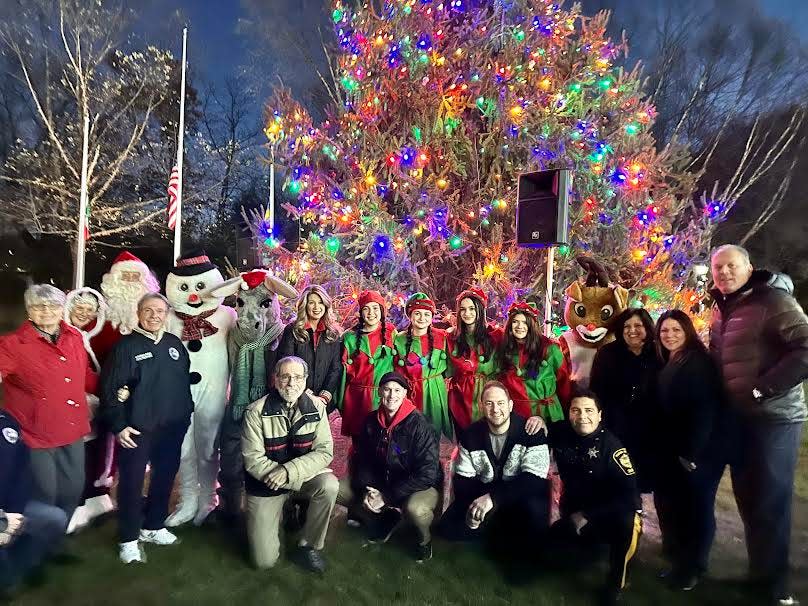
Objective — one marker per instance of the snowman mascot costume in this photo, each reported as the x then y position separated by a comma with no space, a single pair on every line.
202,323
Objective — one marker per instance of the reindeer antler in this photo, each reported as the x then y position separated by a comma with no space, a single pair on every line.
596,274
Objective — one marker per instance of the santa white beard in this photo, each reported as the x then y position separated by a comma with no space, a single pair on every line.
122,297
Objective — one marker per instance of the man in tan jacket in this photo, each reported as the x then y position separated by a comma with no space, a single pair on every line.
287,447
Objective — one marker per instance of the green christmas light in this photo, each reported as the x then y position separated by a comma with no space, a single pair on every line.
337,15
332,245
576,87
295,187
632,129
455,242
416,132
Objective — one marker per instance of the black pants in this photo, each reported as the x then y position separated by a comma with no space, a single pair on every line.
521,522
685,504
161,448
231,465
621,533
763,469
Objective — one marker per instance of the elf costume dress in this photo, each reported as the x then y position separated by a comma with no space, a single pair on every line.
425,367
365,360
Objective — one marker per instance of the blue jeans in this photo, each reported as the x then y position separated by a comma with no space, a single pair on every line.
763,482
44,528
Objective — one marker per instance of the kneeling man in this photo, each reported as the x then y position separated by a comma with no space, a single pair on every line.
500,472
600,502
395,468
287,447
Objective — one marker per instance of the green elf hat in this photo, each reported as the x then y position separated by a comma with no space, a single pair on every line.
419,300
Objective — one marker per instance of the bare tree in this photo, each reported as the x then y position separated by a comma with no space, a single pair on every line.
67,55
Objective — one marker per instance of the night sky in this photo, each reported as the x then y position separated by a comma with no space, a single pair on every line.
217,50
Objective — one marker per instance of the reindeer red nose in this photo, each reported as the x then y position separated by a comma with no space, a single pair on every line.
194,298
590,327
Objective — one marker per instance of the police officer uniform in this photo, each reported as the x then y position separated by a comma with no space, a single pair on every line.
600,483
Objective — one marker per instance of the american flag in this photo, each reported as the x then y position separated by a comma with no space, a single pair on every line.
173,186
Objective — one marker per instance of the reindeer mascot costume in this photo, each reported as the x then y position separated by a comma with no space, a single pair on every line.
592,305
202,323
252,345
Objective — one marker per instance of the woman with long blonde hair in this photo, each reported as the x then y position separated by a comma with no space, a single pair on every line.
316,337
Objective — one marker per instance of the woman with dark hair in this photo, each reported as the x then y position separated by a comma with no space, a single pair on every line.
624,375
472,348
316,337
690,398
532,366
367,355
420,355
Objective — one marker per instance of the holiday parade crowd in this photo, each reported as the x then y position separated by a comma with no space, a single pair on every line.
554,440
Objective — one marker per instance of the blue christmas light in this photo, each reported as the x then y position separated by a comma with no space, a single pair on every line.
424,42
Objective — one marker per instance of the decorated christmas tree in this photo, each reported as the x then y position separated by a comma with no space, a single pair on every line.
410,184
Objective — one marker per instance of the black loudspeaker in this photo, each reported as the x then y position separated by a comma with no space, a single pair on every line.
542,208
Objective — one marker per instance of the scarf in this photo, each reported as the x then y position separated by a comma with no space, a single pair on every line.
197,327
248,380
405,410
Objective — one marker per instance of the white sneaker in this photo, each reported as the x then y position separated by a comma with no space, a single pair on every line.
159,537
78,520
131,552
98,506
183,514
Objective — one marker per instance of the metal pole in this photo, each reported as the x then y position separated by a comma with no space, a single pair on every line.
548,295
178,225
78,277
272,190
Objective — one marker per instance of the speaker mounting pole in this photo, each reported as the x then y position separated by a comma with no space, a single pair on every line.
548,295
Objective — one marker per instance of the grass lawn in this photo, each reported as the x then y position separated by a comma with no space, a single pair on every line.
210,567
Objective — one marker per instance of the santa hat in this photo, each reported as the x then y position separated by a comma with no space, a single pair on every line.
524,308
371,296
473,293
126,256
193,263
419,300
253,278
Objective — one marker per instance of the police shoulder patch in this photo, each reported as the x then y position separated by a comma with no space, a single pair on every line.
11,435
623,461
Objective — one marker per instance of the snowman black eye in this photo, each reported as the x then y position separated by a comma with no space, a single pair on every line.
200,286
183,287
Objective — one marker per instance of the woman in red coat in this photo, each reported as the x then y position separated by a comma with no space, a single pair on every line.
45,374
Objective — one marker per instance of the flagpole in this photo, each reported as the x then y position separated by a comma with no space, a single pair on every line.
178,225
272,191
78,277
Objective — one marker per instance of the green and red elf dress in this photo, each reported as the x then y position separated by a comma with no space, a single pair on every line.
424,361
543,392
469,373
365,360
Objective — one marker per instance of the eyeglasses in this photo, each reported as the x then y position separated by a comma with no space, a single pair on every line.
291,378
39,307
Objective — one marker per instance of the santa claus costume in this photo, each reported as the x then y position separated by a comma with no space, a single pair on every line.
367,355
202,323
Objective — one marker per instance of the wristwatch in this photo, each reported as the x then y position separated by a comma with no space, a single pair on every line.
757,394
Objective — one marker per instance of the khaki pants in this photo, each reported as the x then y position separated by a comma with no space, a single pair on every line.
419,509
264,517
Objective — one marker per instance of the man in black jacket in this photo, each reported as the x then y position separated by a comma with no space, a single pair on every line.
600,502
146,402
500,475
396,468
759,337
29,530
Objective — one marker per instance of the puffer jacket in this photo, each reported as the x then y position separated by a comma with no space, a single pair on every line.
759,337
399,457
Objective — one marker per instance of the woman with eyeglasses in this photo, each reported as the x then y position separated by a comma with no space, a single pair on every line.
688,442
532,367
46,375
421,357
315,336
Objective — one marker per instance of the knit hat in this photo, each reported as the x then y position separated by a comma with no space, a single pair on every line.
473,293
192,264
419,300
395,378
521,307
371,296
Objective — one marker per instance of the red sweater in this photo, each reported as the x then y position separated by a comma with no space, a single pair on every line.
45,384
